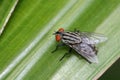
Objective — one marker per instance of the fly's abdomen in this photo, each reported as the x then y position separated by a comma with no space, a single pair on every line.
70,38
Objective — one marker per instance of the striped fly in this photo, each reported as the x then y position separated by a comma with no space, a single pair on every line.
84,43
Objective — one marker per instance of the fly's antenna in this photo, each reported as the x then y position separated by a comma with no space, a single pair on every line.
54,33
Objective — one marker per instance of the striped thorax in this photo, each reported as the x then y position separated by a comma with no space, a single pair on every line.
67,37
70,38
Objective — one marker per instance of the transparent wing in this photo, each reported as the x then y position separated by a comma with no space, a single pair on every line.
92,38
87,51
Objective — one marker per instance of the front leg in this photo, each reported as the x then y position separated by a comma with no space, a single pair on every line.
59,45
70,50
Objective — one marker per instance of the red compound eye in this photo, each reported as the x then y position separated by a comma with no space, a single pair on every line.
58,37
61,30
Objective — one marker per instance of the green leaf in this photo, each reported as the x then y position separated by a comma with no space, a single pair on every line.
27,41
6,9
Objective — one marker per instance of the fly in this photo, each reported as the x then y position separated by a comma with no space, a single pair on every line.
84,43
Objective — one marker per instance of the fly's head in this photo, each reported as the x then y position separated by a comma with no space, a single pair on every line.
58,34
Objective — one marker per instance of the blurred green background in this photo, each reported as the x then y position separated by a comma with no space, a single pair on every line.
113,73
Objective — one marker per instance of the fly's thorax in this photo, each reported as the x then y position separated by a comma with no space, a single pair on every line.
70,38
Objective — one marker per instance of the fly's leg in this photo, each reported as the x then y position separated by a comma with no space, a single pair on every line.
59,45
70,50
76,31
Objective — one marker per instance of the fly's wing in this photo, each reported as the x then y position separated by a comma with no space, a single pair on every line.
87,51
92,38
